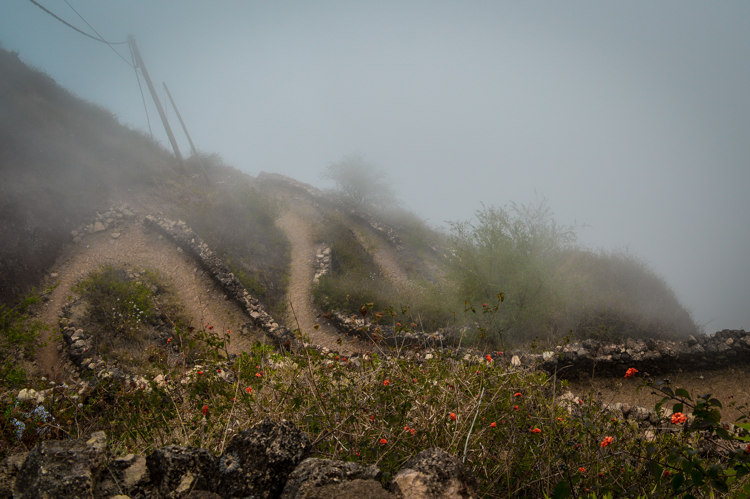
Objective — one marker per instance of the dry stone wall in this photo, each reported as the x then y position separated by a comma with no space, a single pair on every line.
270,459
184,237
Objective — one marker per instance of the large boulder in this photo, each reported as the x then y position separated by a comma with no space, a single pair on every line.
257,461
175,471
62,468
434,473
328,478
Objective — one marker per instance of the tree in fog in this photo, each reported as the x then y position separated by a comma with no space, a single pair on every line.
361,184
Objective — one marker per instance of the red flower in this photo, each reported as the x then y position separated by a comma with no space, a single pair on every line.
582,469
493,425
606,441
484,304
517,394
453,416
258,375
488,357
515,407
249,389
229,331
169,339
210,327
535,430
559,419
678,418
200,372
386,382
372,417
204,410
631,372
383,441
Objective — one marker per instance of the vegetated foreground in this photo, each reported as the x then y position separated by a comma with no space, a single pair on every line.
164,369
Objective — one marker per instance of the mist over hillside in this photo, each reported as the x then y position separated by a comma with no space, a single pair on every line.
64,160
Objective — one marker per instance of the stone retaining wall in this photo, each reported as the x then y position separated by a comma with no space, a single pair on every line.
185,238
271,459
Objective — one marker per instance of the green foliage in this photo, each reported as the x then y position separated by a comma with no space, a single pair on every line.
552,287
118,302
514,251
18,340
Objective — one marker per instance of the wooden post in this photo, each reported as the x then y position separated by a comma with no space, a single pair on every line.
139,64
187,134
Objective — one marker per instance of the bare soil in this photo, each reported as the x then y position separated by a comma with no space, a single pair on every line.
302,313
138,248
730,385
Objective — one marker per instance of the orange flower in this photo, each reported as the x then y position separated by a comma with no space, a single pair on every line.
535,430
606,441
453,416
582,469
517,394
678,418
493,425
488,357
383,441
249,389
169,339
386,382
631,372
258,375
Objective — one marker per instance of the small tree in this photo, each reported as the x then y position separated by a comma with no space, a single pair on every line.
360,183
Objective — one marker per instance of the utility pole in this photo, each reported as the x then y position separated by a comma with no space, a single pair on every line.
139,64
187,134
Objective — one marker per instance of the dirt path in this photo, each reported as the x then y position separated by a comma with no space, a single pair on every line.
302,313
138,248
385,257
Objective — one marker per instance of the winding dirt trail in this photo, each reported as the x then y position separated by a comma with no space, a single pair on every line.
138,248
302,313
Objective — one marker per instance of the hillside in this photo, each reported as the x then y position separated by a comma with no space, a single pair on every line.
129,280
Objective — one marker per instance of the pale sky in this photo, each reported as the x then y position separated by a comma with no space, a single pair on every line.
631,118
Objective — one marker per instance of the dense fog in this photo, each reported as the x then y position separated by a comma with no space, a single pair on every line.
631,120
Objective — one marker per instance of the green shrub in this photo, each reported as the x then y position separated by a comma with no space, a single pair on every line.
19,333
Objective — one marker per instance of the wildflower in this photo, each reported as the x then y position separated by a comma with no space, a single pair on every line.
200,372
229,331
218,371
453,416
169,339
484,305
386,382
249,389
406,428
559,419
535,430
582,469
678,418
517,394
666,473
398,324
210,327
414,380
204,410
493,425
383,441
631,372
372,417
413,431
606,441
515,407
488,357
258,375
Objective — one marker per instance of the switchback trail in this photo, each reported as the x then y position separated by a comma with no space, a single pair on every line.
137,248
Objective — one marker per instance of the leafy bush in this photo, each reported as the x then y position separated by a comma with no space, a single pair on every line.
361,184
551,287
18,340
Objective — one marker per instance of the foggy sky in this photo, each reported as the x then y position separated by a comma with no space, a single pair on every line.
632,118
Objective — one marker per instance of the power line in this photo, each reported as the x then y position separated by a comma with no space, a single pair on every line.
98,39
109,44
